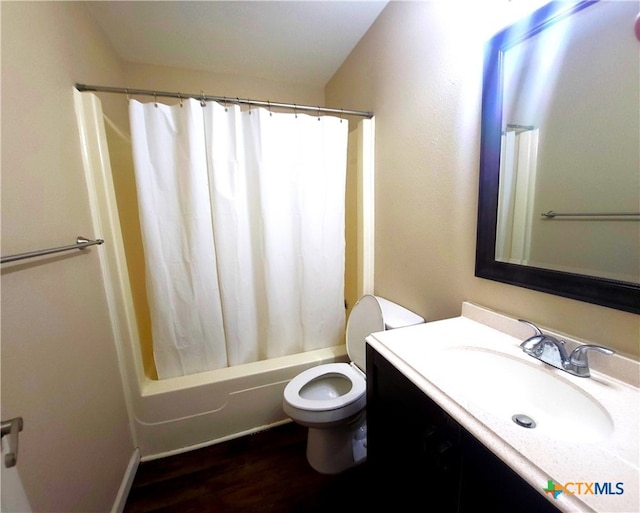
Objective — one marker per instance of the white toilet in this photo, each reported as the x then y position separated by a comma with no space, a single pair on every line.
330,399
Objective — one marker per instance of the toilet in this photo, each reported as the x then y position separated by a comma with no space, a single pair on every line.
330,399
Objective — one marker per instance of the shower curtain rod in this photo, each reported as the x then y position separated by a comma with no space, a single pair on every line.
221,99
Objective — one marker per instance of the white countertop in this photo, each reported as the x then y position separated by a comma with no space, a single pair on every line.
536,456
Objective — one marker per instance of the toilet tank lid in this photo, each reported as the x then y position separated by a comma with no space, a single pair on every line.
372,314
396,316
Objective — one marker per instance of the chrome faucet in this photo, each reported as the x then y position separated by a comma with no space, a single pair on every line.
552,351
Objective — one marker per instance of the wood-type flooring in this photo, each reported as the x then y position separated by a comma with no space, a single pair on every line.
263,472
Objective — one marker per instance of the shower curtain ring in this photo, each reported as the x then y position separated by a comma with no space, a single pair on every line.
203,103
226,106
126,91
318,112
180,97
295,111
269,106
155,99
341,114
249,102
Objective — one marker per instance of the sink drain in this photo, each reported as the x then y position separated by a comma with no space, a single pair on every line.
524,420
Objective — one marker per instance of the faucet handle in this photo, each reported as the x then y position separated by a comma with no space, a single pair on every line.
578,356
578,361
535,328
539,336
532,344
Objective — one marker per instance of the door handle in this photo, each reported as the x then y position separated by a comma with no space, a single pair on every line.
11,428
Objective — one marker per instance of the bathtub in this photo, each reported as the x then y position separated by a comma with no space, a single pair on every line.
188,412
174,415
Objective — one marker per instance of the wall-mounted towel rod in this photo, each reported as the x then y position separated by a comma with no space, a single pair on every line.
515,126
552,213
81,243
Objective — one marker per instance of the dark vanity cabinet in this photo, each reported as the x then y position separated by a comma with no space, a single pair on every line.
421,459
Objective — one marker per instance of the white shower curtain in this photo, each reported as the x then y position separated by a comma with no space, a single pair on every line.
516,196
242,216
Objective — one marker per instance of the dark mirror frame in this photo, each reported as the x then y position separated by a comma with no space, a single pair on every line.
610,293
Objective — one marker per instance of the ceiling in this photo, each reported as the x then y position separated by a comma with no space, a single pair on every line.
304,41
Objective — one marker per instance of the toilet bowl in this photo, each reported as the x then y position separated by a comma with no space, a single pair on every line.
330,399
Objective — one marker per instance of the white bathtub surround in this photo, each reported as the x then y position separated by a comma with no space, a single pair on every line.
609,453
242,216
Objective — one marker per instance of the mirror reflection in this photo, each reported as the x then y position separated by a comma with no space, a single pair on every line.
569,178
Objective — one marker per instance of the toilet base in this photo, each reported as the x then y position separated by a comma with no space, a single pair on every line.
331,451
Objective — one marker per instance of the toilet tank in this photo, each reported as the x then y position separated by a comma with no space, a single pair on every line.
396,316
372,314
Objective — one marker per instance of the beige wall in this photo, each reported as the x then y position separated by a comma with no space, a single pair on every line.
419,69
59,361
145,76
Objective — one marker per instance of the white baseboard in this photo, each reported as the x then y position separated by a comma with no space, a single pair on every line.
127,481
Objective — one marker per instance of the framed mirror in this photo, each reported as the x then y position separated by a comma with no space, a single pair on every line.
559,192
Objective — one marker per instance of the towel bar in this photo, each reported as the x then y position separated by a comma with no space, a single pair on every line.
552,213
81,243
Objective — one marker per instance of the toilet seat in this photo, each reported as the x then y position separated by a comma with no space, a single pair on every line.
366,317
343,370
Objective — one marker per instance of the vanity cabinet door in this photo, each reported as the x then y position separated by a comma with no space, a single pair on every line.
413,446
488,484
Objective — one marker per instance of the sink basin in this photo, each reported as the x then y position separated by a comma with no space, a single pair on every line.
506,386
